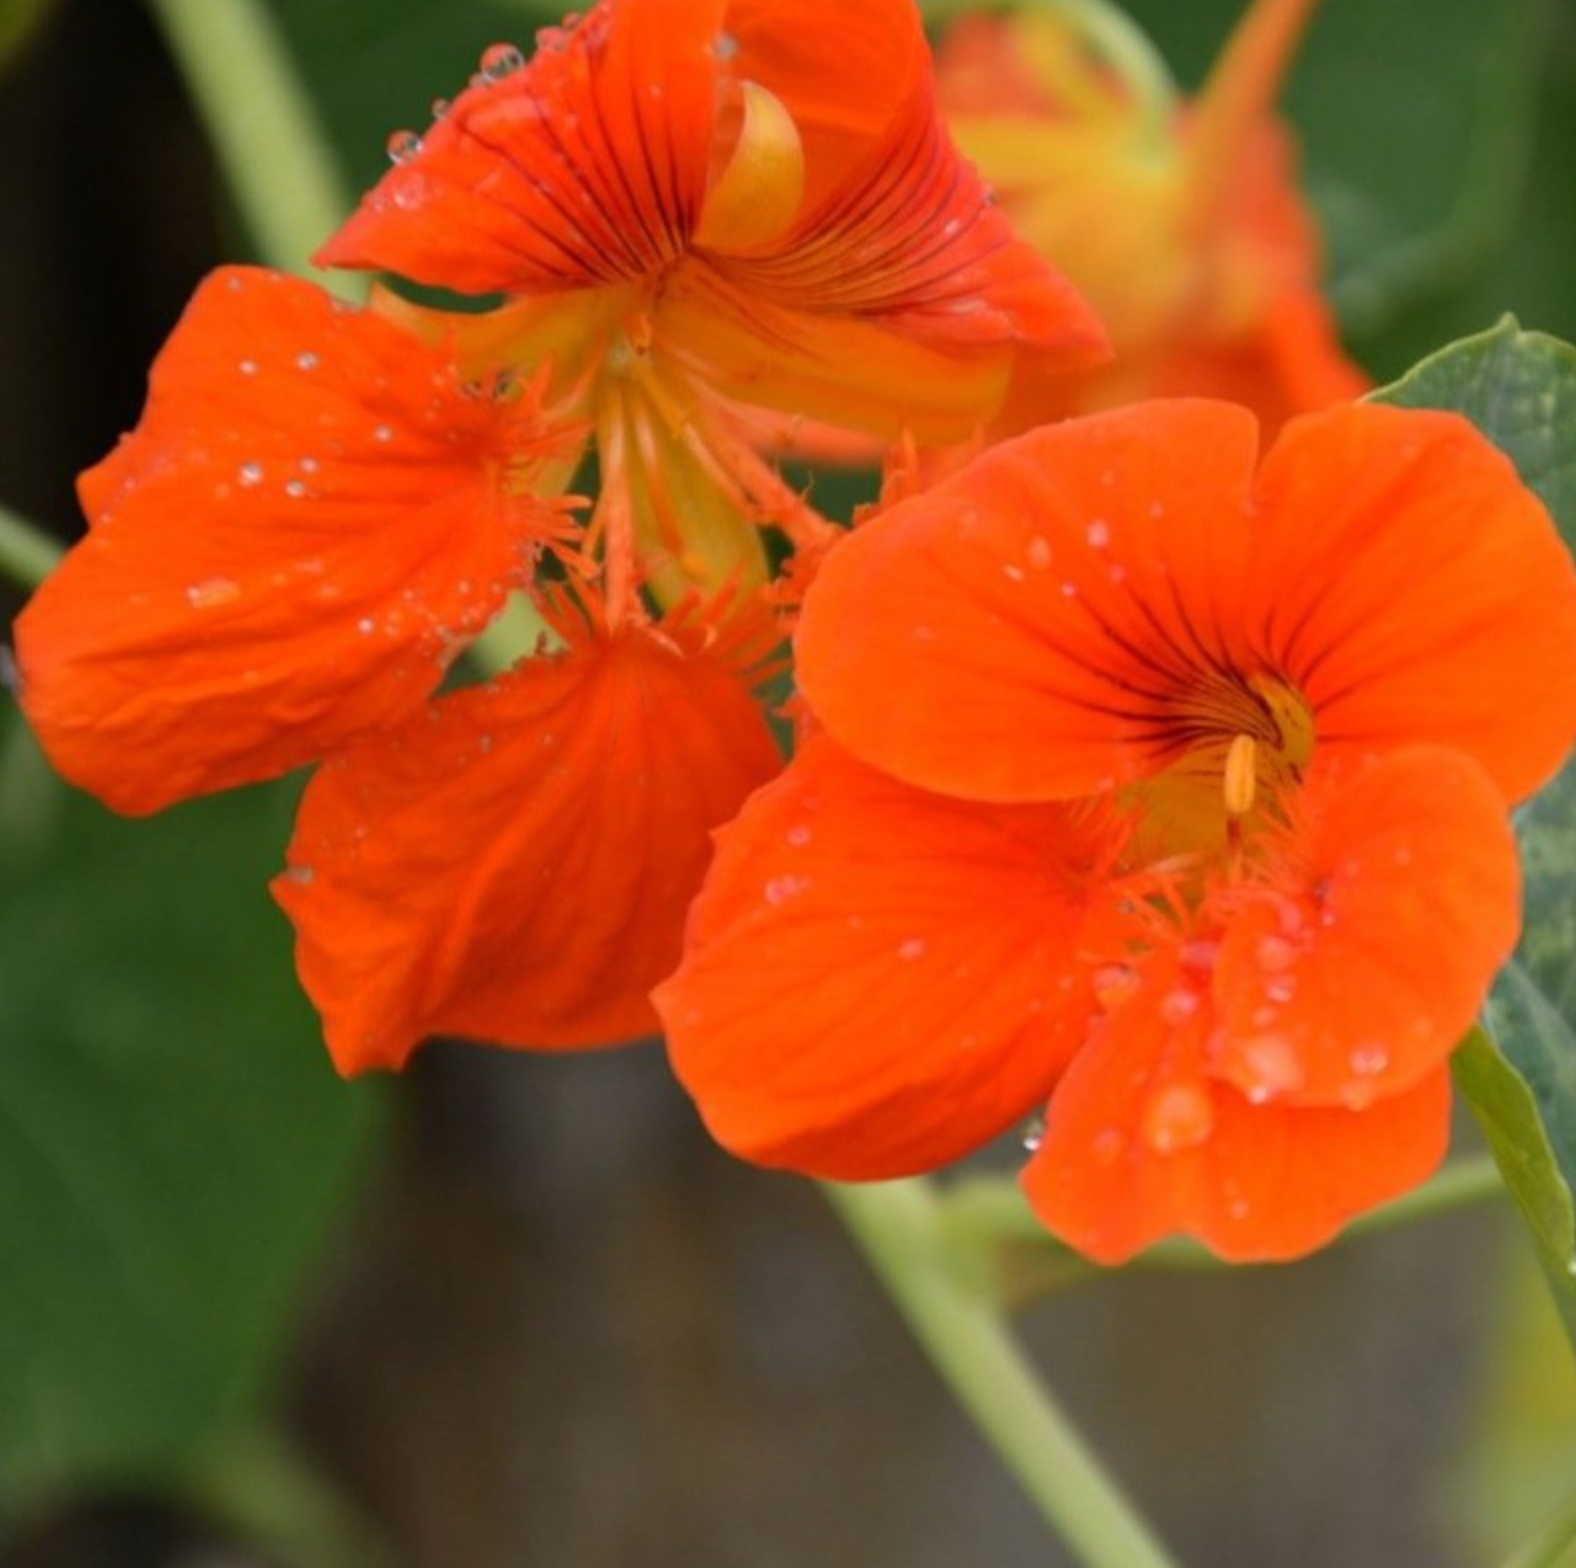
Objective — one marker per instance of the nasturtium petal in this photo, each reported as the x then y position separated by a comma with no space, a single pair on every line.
879,979
1415,591
514,864
1025,630
583,166
311,517
1355,974
1141,1142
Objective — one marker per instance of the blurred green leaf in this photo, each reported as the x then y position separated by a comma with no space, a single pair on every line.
19,20
1519,388
173,1142
375,66
1416,124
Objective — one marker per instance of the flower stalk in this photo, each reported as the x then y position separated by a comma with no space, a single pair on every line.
276,156
898,1226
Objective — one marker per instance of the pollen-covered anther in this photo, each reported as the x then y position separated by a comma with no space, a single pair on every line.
1241,775
758,192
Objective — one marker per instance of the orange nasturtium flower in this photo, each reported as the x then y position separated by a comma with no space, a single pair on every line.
1182,223
692,206
698,207
1160,783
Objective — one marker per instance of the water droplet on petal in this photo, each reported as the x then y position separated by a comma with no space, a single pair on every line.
1013,573
911,950
1275,953
250,474
1199,956
440,107
1033,1134
499,61
1039,553
1369,1059
295,489
1179,1006
1179,1117
1107,1145
303,875
307,361
780,889
1114,983
1281,988
1272,1066
213,591
383,433
366,626
724,46
799,835
402,146
247,367
1098,533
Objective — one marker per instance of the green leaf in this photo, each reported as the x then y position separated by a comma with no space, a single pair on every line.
1511,1116
1519,389
173,1141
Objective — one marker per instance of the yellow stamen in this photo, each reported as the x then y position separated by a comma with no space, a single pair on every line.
757,195
1242,775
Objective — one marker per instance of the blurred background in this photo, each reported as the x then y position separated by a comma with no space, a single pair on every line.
512,1310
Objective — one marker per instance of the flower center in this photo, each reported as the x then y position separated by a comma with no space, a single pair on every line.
1241,742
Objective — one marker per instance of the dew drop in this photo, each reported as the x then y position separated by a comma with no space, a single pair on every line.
383,433
1272,1066
1069,590
440,107
302,875
780,889
295,489
366,626
1199,956
799,835
499,61
1013,573
402,146
911,950
1281,988
1179,1006
1179,1117
1275,953
307,361
1369,1059
247,367
250,475
1033,1134
1039,553
1107,1145
212,592
1114,983
1098,533
308,465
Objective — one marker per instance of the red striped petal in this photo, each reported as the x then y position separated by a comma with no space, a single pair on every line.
514,865
310,518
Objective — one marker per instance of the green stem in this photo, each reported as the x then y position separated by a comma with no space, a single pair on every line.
898,1226
27,554
1552,1547
987,1212
276,156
